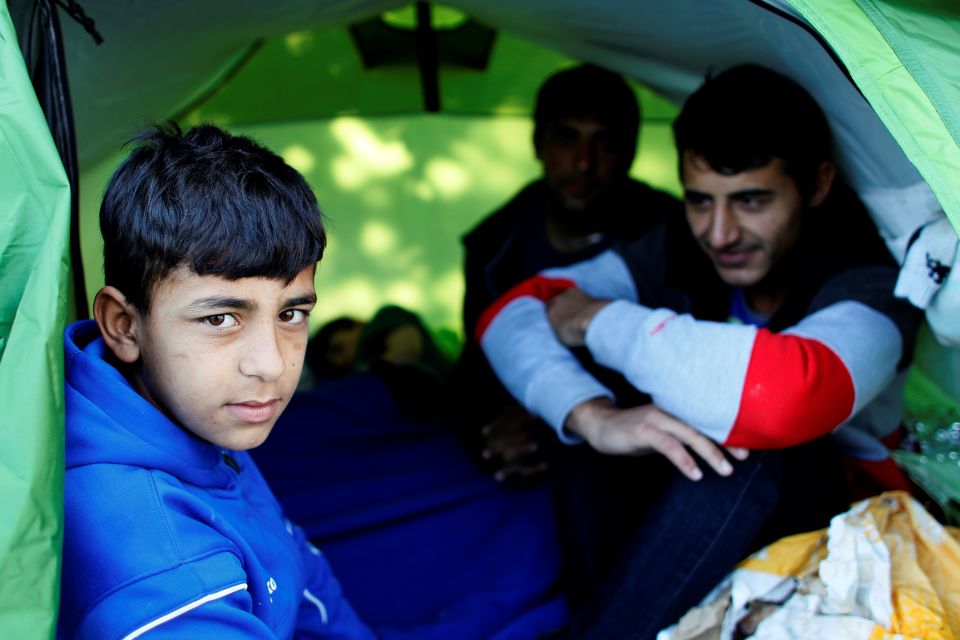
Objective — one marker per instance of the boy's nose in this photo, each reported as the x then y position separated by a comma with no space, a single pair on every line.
262,357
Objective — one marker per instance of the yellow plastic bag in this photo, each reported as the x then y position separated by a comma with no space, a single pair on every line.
884,569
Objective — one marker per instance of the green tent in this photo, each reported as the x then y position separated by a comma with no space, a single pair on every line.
411,122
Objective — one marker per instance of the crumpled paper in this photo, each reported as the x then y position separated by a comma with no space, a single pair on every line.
884,569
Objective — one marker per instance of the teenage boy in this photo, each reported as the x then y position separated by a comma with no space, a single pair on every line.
764,320
210,246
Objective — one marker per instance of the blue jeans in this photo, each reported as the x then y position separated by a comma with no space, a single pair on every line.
668,541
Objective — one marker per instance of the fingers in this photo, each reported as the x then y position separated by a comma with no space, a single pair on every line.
510,449
638,430
642,430
674,451
738,452
514,458
708,450
509,439
711,454
519,471
704,448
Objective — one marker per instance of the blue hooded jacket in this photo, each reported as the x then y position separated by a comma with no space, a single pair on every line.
168,534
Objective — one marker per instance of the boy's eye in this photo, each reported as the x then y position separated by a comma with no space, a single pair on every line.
220,320
293,316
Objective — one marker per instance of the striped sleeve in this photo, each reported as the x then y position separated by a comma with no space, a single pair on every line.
515,334
200,598
747,387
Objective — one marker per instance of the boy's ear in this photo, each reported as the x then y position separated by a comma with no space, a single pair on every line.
826,173
119,323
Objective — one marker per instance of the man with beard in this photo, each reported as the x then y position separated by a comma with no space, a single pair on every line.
586,122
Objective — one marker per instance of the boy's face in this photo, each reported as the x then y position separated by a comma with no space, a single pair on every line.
221,358
745,222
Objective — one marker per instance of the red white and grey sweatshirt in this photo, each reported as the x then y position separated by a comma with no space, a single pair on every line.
835,368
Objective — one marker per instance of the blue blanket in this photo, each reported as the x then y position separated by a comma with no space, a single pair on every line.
424,544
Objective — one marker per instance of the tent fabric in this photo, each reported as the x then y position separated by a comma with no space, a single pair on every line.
34,249
896,127
642,42
157,58
913,84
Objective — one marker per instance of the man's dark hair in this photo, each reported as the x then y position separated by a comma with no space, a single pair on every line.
589,90
215,203
748,115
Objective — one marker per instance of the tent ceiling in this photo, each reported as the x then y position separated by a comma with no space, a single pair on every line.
158,58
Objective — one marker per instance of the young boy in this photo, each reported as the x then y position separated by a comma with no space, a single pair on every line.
210,246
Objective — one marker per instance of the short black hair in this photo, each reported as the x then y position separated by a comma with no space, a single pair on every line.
748,115
215,203
589,90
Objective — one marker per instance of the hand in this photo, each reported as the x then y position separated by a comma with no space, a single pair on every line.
570,314
644,429
512,445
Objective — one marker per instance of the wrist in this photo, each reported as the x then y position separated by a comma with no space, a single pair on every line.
588,314
584,419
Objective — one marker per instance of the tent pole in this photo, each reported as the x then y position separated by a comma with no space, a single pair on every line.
427,59
48,73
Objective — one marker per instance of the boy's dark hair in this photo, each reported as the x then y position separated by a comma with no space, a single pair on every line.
589,90
215,203
746,116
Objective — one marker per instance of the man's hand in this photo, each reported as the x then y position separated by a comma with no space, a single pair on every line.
570,314
512,445
645,429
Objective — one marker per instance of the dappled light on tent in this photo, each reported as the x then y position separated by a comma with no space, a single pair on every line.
446,287
406,294
448,178
366,154
355,297
656,161
299,158
397,194
377,239
298,42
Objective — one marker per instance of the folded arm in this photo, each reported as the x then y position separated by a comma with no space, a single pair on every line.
748,387
538,369
738,385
